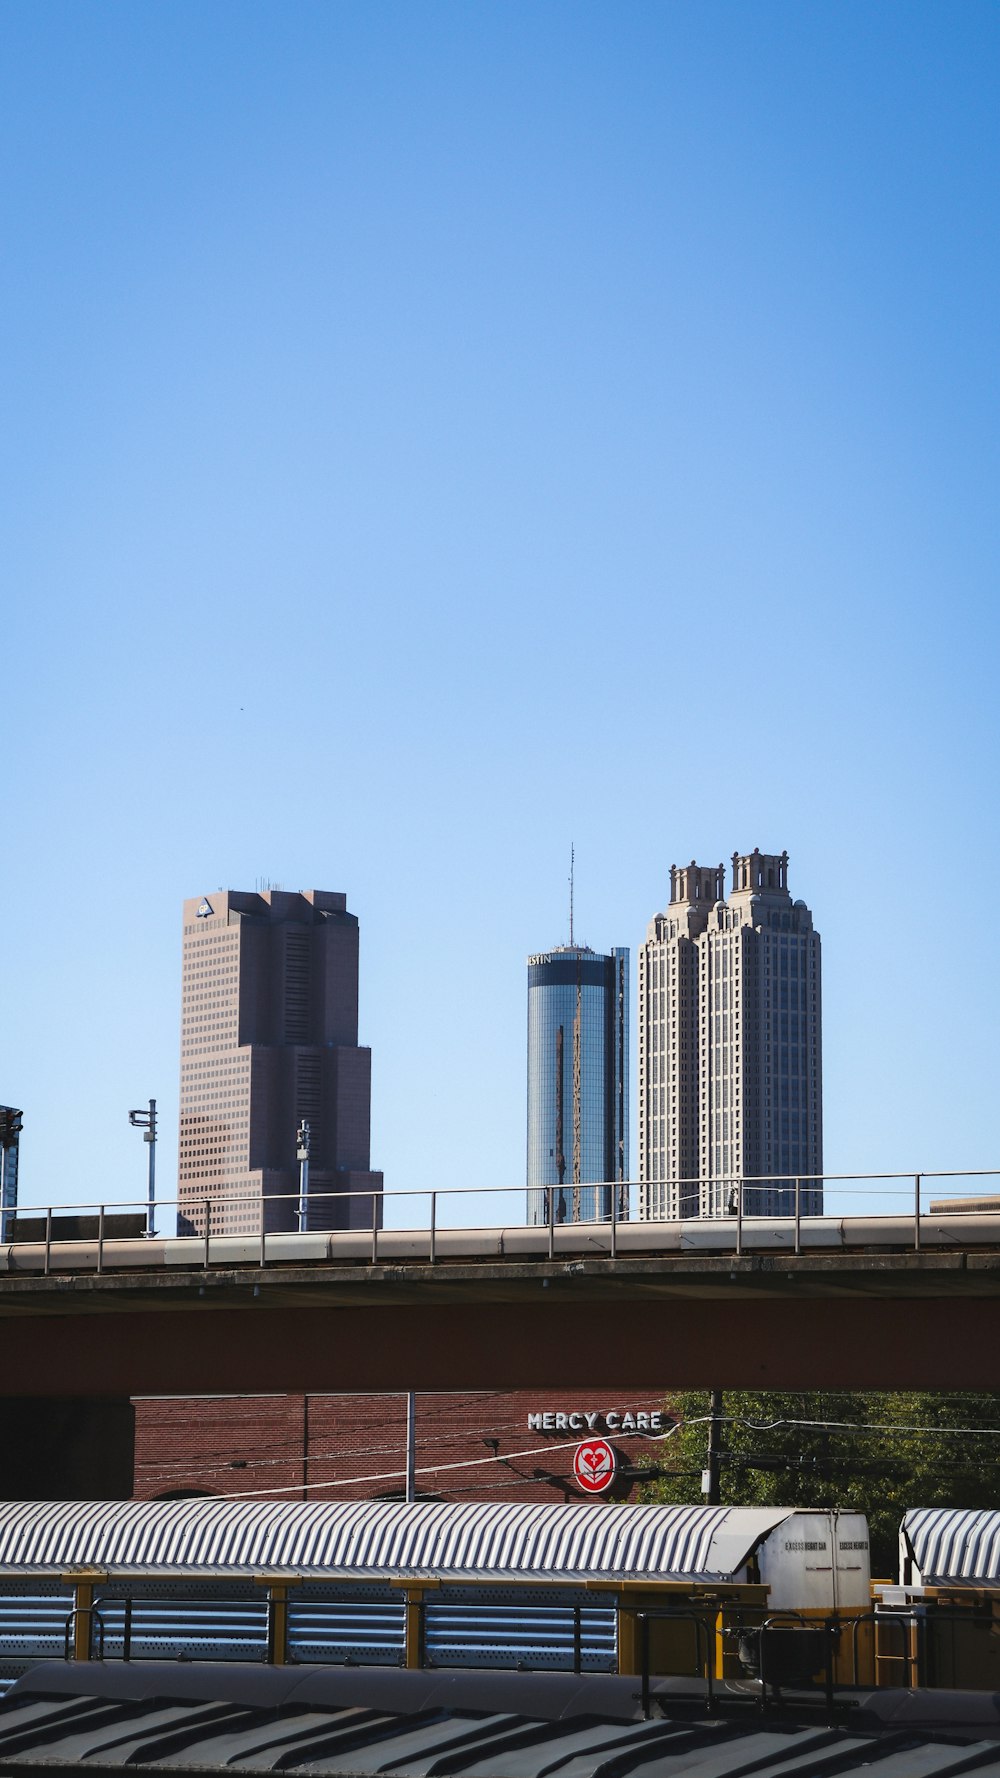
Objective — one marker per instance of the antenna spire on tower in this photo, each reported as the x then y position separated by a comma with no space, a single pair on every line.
572,870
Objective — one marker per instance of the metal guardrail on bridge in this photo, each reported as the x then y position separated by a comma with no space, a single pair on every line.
904,1197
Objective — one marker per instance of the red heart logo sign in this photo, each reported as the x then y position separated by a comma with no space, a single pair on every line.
594,1465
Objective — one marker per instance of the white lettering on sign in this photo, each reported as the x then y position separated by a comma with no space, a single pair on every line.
643,1423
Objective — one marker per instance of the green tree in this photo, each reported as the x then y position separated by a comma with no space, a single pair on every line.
876,1454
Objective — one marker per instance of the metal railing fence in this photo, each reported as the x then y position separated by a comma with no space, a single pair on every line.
731,1203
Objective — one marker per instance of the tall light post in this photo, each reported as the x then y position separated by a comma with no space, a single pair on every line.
10,1131
302,1156
146,1122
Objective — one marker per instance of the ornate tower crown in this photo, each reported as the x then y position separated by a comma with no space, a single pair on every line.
759,872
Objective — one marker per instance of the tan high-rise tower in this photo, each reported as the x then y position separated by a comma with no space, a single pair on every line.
269,1040
668,1044
730,1049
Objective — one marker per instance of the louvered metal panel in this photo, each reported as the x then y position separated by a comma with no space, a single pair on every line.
480,1628
183,1629
368,1629
33,1622
556,1638
381,1537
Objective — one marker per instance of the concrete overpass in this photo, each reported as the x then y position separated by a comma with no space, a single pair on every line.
817,1319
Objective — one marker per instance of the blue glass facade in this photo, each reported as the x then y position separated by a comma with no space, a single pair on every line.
577,1084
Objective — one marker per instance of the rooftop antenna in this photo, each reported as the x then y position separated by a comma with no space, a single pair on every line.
572,872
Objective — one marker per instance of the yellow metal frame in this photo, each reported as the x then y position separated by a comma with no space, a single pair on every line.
84,1582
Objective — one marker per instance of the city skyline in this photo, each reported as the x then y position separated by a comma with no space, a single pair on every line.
438,434
695,892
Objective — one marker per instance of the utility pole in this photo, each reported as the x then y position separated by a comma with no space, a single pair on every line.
411,1447
146,1122
710,1474
305,1447
302,1156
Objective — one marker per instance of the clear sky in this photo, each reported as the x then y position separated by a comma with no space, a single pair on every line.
436,433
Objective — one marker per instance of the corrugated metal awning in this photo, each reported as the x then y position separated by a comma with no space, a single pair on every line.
384,1538
951,1544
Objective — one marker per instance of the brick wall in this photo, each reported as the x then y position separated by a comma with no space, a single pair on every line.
348,1447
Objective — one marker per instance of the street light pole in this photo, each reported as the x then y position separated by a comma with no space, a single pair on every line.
302,1156
146,1122
10,1131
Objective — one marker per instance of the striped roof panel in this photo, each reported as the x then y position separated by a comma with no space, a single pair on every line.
949,1544
378,1538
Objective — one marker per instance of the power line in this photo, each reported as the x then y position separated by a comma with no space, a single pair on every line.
394,1475
212,1462
847,1426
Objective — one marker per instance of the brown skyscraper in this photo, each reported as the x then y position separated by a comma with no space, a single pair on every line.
269,1039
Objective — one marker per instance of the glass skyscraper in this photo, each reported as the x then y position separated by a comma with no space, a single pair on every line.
578,1033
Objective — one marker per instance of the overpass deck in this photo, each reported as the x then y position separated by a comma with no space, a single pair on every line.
861,1318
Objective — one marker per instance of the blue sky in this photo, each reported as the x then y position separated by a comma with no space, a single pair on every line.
438,433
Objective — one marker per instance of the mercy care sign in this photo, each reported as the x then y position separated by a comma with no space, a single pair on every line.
645,1425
